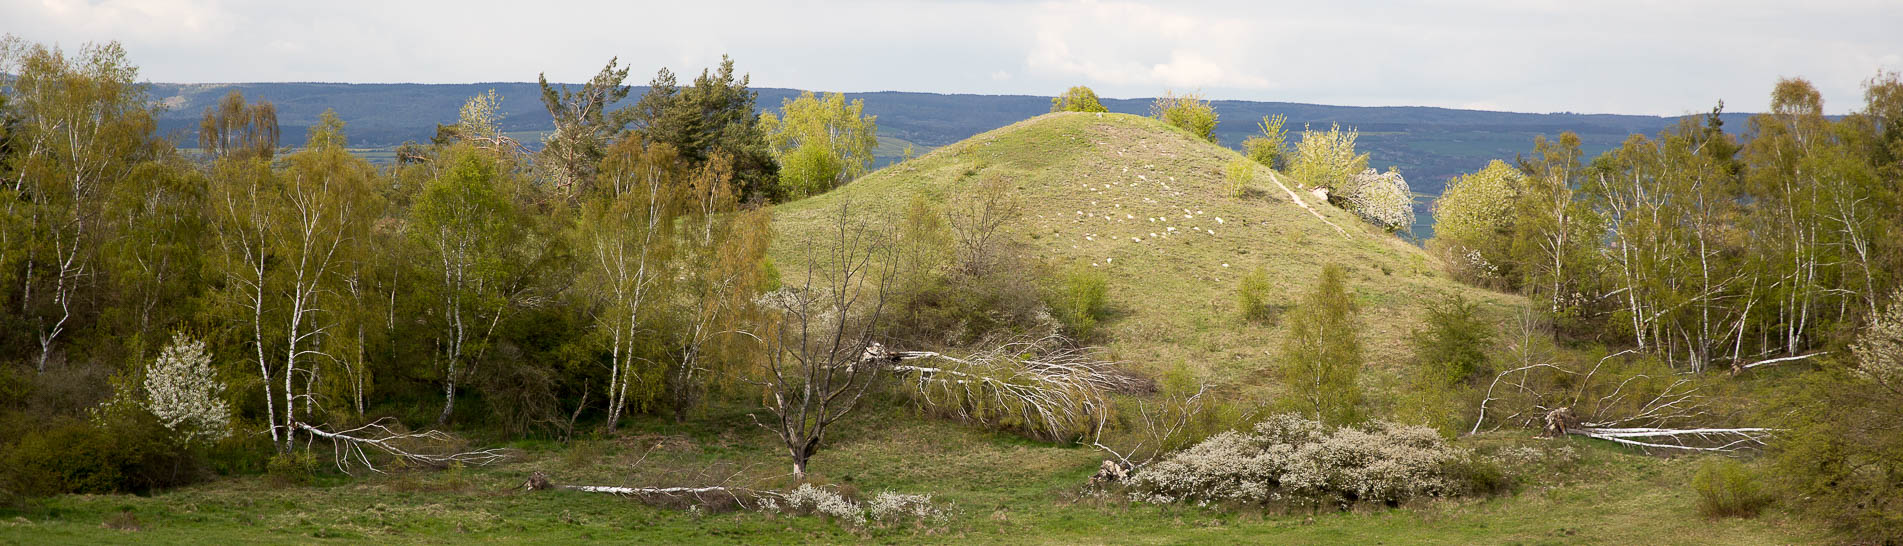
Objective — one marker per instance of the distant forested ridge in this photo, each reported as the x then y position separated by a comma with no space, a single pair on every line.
1429,145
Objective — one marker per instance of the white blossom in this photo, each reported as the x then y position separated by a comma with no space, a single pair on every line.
182,391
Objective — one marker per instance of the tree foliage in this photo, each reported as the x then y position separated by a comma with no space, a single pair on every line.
1077,99
1474,223
236,129
1270,145
715,116
821,142
1327,159
584,123
1188,112
1321,356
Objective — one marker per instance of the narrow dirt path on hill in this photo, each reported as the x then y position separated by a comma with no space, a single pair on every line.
1298,200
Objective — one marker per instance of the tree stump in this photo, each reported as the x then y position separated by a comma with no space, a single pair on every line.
1110,472
538,481
1559,421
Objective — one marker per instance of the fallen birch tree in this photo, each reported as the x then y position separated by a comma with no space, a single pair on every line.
1635,409
354,446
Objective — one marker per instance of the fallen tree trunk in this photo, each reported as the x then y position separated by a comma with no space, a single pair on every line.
1733,438
350,445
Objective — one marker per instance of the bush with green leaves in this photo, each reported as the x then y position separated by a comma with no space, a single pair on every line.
1077,99
1474,220
1270,147
1082,299
1726,488
1841,449
1327,159
1291,461
1452,347
1188,112
1237,175
1254,296
120,452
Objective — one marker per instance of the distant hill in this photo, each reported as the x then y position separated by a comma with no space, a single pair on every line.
1429,145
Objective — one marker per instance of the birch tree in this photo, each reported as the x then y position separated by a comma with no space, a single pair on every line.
721,270
821,142
285,237
466,224
626,240
1321,355
83,126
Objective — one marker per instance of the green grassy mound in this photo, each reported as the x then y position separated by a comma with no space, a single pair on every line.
1146,204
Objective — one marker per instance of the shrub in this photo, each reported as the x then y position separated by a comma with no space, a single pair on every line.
1452,349
1726,488
1382,199
985,285
1238,174
1291,460
810,169
887,507
1327,159
1253,296
1082,299
1840,453
1077,99
297,467
128,453
1187,112
1270,148
182,390
1473,223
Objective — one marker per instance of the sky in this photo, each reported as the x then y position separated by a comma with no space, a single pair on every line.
1661,57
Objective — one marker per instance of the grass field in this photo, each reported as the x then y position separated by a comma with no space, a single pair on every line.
1001,490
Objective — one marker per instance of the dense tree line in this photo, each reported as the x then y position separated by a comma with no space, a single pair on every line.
1777,249
1708,249
599,276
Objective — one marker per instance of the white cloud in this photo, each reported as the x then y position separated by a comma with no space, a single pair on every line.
1131,44
1632,56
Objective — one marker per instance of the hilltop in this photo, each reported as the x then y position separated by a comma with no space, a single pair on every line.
1145,203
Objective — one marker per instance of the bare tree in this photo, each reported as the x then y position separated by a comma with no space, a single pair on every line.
820,354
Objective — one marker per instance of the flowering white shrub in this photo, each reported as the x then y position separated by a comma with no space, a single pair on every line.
182,391
886,507
1879,350
1289,459
824,501
1381,199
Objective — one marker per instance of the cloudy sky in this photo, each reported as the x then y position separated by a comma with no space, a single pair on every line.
1616,56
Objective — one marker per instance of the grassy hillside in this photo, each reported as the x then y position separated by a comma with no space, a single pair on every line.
1106,191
